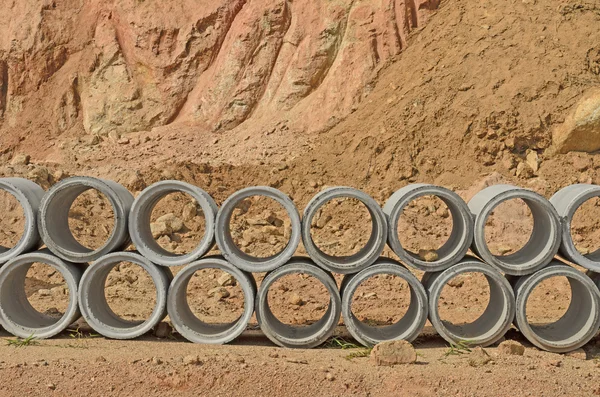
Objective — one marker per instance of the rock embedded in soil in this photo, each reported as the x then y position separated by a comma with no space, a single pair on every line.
296,300
393,352
226,280
479,357
20,159
159,229
581,129
219,293
171,221
163,330
428,255
189,212
511,348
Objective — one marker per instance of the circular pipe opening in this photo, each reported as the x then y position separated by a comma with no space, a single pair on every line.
196,298
185,211
20,201
287,335
576,326
54,218
458,240
578,207
543,242
38,295
227,244
96,309
365,256
387,278
493,322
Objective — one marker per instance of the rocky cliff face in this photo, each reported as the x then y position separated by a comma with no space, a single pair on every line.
135,65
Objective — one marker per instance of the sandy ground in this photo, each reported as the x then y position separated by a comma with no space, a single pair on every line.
79,361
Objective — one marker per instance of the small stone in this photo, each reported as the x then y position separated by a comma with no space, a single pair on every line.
456,282
114,136
503,249
226,280
442,212
533,160
393,352
313,184
578,354
44,292
156,361
322,221
100,359
189,212
191,360
163,330
479,357
274,220
20,159
428,255
511,348
296,300
51,386
173,222
90,140
329,376
524,171
219,293
159,229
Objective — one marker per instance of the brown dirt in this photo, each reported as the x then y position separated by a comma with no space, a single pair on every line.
471,96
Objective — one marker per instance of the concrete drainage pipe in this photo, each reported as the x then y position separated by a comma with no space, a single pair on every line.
188,324
139,222
363,258
17,315
545,237
407,328
29,195
577,326
54,218
95,308
304,336
233,253
462,226
493,322
567,201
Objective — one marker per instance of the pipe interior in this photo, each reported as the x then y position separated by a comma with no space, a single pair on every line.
577,320
57,219
16,305
187,316
490,321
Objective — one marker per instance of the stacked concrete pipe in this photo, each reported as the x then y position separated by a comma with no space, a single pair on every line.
46,216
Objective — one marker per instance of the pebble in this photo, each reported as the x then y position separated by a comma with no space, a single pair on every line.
163,330
296,300
219,292
226,280
428,255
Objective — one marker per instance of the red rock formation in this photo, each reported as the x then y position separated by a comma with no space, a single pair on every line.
130,65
